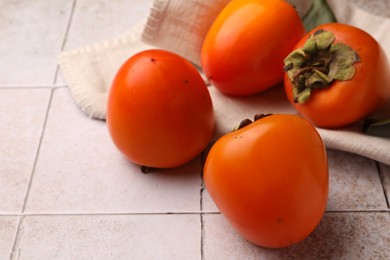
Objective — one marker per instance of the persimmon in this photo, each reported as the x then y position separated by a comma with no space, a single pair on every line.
243,51
270,179
159,111
337,74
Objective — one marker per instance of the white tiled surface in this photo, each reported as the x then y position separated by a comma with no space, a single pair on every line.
8,228
21,120
79,160
67,193
31,33
349,235
109,237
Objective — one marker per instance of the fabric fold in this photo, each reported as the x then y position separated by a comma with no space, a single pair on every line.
180,26
89,70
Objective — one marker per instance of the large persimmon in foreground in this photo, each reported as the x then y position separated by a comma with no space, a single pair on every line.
270,179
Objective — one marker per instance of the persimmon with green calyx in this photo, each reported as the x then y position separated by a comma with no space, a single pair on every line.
243,51
159,113
337,75
270,179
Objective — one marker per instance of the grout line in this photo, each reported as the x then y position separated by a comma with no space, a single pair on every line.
65,39
358,211
202,187
17,239
382,178
32,86
38,151
163,213
19,230
202,235
105,214
202,231
201,208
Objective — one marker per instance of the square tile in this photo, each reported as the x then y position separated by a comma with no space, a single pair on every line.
339,236
80,170
102,20
31,36
22,118
8,226
110,237
354,183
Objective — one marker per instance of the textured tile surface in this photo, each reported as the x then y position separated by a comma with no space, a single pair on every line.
87,174
378,7
22,115
354,183
8,226
339,236
31,36
100,20
110,237
208,204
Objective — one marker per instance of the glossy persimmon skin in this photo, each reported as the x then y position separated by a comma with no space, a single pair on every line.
348,101
244,49
159,111
270,180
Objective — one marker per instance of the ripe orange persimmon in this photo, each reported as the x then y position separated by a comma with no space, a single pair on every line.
270,179
337,75
159,111
244,49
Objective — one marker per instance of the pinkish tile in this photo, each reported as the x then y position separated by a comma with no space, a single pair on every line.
208,204
354,183
31,36
80,170
102,20
339,236
109,237
21,121
377,7
8,226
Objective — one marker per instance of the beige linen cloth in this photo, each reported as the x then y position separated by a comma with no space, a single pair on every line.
180,26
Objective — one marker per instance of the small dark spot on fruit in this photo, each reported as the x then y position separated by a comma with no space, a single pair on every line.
186,81
152,59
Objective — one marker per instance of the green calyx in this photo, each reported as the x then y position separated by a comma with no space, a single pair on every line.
318,64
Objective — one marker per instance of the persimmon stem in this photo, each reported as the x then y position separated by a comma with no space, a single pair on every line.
247,121
318,64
